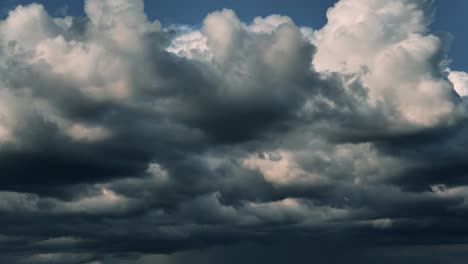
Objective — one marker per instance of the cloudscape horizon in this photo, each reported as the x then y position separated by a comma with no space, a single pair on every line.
127,140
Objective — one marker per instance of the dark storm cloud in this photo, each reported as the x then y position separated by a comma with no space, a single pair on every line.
121,140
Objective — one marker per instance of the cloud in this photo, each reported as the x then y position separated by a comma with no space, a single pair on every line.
122,139
459,80
400,61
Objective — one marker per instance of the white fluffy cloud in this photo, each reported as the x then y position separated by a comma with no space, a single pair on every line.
460,82
387,44
401,64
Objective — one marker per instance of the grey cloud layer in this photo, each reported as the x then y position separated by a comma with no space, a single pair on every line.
121,139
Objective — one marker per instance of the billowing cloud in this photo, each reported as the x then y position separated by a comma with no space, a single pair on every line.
400,62
122,139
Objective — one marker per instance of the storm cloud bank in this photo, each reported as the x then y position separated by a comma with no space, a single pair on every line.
122,140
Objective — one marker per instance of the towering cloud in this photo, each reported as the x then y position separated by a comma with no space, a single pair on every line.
402,64
122,139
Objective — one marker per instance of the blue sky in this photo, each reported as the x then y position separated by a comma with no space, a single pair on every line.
449,17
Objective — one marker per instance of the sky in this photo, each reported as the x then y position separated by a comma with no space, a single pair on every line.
233,132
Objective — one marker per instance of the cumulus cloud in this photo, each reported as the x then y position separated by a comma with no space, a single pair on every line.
400,62
121,137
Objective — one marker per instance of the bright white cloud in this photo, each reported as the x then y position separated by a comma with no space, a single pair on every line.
460,82
388,44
